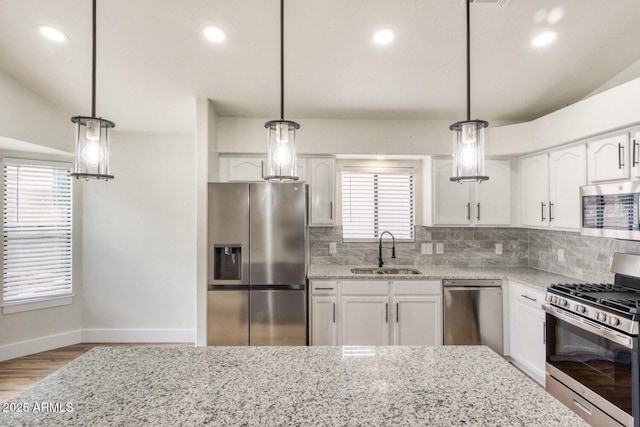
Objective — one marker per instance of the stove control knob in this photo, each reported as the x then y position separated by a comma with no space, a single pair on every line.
601,316
554,299
614,321
563,302
581,308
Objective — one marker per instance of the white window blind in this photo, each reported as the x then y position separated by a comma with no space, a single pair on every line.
37,230
373,202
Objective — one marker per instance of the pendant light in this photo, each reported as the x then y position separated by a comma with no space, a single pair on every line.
92,134
281,134
468,136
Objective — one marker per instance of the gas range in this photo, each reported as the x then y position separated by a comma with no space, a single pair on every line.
614,305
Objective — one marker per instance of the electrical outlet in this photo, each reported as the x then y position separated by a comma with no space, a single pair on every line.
427,249
439,248
498,248
332,248
561,256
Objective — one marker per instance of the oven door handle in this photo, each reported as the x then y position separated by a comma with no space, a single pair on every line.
599,330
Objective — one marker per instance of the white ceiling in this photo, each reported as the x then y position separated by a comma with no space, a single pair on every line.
153,59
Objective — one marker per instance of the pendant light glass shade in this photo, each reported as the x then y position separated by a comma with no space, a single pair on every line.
92,134
281,154
92,148
468,135
468,151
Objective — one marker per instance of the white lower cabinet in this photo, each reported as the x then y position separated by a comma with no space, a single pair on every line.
376,312
527,323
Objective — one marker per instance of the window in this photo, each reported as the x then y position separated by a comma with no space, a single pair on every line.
376,201
37,230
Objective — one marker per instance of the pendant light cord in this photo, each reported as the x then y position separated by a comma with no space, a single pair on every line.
468,64
281,59
93,75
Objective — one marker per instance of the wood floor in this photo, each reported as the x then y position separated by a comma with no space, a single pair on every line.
19,374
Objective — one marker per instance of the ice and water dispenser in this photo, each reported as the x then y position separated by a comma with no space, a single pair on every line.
227,262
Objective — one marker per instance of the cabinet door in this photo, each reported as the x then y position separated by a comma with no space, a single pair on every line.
527,331
321,176
567,172
452,200
324,330
364,320
608,158
535,190
243,169
492,198
417,320
635,155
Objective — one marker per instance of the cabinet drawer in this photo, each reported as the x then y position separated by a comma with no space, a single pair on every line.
364,287
528,296
324,287
416,287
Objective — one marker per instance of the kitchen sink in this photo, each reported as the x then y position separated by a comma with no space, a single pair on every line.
384,270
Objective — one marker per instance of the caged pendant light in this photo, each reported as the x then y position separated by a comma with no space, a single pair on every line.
92,134
468,136
281,134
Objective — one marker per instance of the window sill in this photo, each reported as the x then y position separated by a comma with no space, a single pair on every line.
36,304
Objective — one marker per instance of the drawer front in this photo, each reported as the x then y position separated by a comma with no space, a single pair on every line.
416,287
528,296
364,287
324,287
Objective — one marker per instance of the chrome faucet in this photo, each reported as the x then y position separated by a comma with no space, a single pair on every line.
393,247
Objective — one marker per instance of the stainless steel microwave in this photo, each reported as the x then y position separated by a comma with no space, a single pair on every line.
611,210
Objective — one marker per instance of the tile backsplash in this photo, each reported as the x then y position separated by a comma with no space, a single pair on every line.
585,258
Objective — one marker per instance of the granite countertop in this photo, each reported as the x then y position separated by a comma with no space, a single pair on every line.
285,386
533,278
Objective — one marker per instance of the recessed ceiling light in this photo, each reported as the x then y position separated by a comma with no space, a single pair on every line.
384,36
53,33
215,34
544,39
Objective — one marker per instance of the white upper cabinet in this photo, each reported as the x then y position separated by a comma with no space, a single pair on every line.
567,172
486,203
609,158
550,188
492,198
241,168
534,185
321,175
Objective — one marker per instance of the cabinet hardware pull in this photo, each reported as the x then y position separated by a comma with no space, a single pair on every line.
620,153
334,312
583,407
262,168
478,211
544,332
397,313
634,162
386,312
469,211
529,298
550,215
543,204
323,289
330,210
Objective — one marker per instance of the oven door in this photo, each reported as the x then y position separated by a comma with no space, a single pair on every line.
598,364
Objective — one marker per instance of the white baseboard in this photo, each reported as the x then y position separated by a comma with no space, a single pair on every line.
50,342
138,335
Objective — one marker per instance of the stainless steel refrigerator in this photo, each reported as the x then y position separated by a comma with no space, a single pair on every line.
257,264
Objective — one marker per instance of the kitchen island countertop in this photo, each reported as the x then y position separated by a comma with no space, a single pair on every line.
285,386
531,277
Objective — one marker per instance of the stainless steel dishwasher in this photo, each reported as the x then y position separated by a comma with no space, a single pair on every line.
473,313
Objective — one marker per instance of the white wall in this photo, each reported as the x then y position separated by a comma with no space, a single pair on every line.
324,136
139,242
